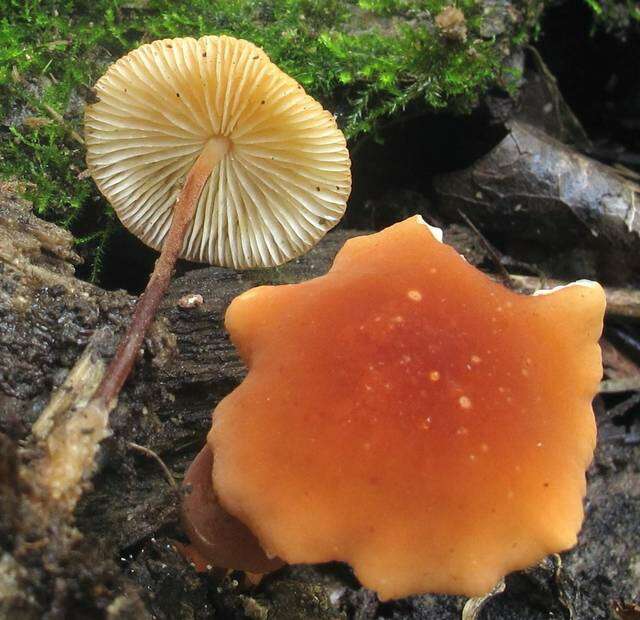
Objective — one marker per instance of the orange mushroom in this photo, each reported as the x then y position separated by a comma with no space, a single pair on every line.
218,537
407,415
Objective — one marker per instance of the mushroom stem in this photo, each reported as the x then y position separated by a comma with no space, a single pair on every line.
183,212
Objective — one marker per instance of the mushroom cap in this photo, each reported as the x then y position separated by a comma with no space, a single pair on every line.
221,539
283,183
408,415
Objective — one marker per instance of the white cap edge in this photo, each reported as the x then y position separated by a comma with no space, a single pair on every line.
548,291
434,230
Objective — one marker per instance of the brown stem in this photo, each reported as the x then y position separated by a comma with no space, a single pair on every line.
183,212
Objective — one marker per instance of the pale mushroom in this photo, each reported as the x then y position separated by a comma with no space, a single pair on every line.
209,152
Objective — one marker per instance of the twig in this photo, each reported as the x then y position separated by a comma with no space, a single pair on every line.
615,386
153,455
627,341
562,595
495,256
621,408
607,435
474,605
56,116
526,268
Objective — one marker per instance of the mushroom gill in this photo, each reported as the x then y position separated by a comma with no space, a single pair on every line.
208,151
278,174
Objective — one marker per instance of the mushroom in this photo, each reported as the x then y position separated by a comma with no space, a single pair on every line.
209,152
217,536
408,415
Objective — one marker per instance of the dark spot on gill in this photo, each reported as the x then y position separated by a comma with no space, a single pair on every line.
91,96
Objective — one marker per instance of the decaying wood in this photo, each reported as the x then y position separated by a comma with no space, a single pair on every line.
37,264
548,204
69,431
79,385
46,320
47,316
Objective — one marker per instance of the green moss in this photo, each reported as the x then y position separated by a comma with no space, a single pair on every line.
365,59
615,16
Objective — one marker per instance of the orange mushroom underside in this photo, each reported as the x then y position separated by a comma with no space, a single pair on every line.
218,539
409,416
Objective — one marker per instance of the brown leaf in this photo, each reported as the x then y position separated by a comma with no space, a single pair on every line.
625,611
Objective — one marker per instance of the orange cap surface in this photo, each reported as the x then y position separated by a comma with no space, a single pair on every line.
407,415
